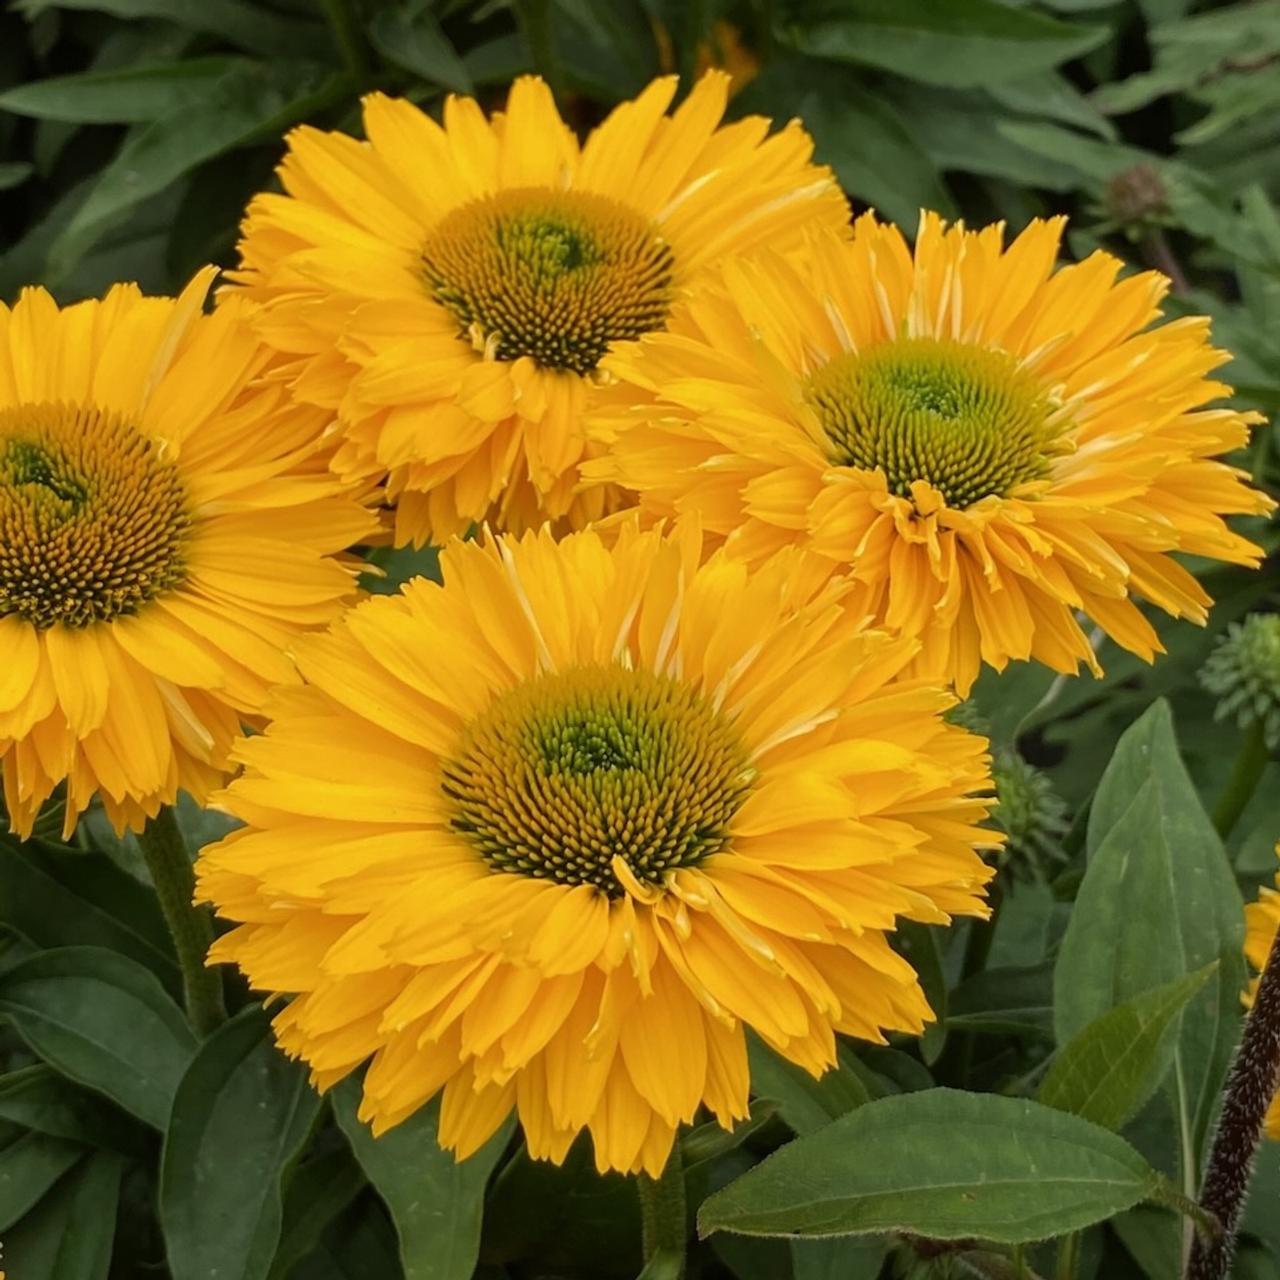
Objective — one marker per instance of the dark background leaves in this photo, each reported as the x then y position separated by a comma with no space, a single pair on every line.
132,132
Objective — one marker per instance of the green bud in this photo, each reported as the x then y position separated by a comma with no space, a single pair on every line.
1030,813
1243,672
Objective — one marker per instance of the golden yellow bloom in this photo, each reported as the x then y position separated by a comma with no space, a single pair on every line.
986,444
551,835
451,291
165,535
1262,919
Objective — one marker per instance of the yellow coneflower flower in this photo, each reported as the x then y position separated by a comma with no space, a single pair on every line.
986,444
164,536
552,835
452,290
1262,919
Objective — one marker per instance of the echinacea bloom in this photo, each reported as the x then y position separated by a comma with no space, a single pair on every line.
450,291
987,445
164,537
549,837
1262,920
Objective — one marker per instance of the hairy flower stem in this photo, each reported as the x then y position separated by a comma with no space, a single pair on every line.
191,927
663,1220
1250,1088
1248,768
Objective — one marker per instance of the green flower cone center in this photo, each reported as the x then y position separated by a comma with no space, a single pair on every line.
965,419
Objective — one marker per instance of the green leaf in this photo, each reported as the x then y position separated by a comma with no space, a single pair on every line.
666,1264
566,1215
958,131
409,36
709,1141
1016,1001
317,1193
28,1168
103,1020
57,897
1113,1066
943,1164
1157,902
69,1234
919,944
250,102
1090,161
940,42
242,1113
436,1202
38,1098
14,174
119,97
878,162
806,1104
1052,96
837,1259
249,25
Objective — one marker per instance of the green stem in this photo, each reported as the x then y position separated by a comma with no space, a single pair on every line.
347,36
1068,1257
1248,768
190,926
662,1217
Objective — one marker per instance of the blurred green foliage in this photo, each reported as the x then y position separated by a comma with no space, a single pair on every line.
132,132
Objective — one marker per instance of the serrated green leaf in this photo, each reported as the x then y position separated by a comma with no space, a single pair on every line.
69,1234
1111,1067
119,97
958,46
942,1164
436,1202
102,1019
1158,901
241,1114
